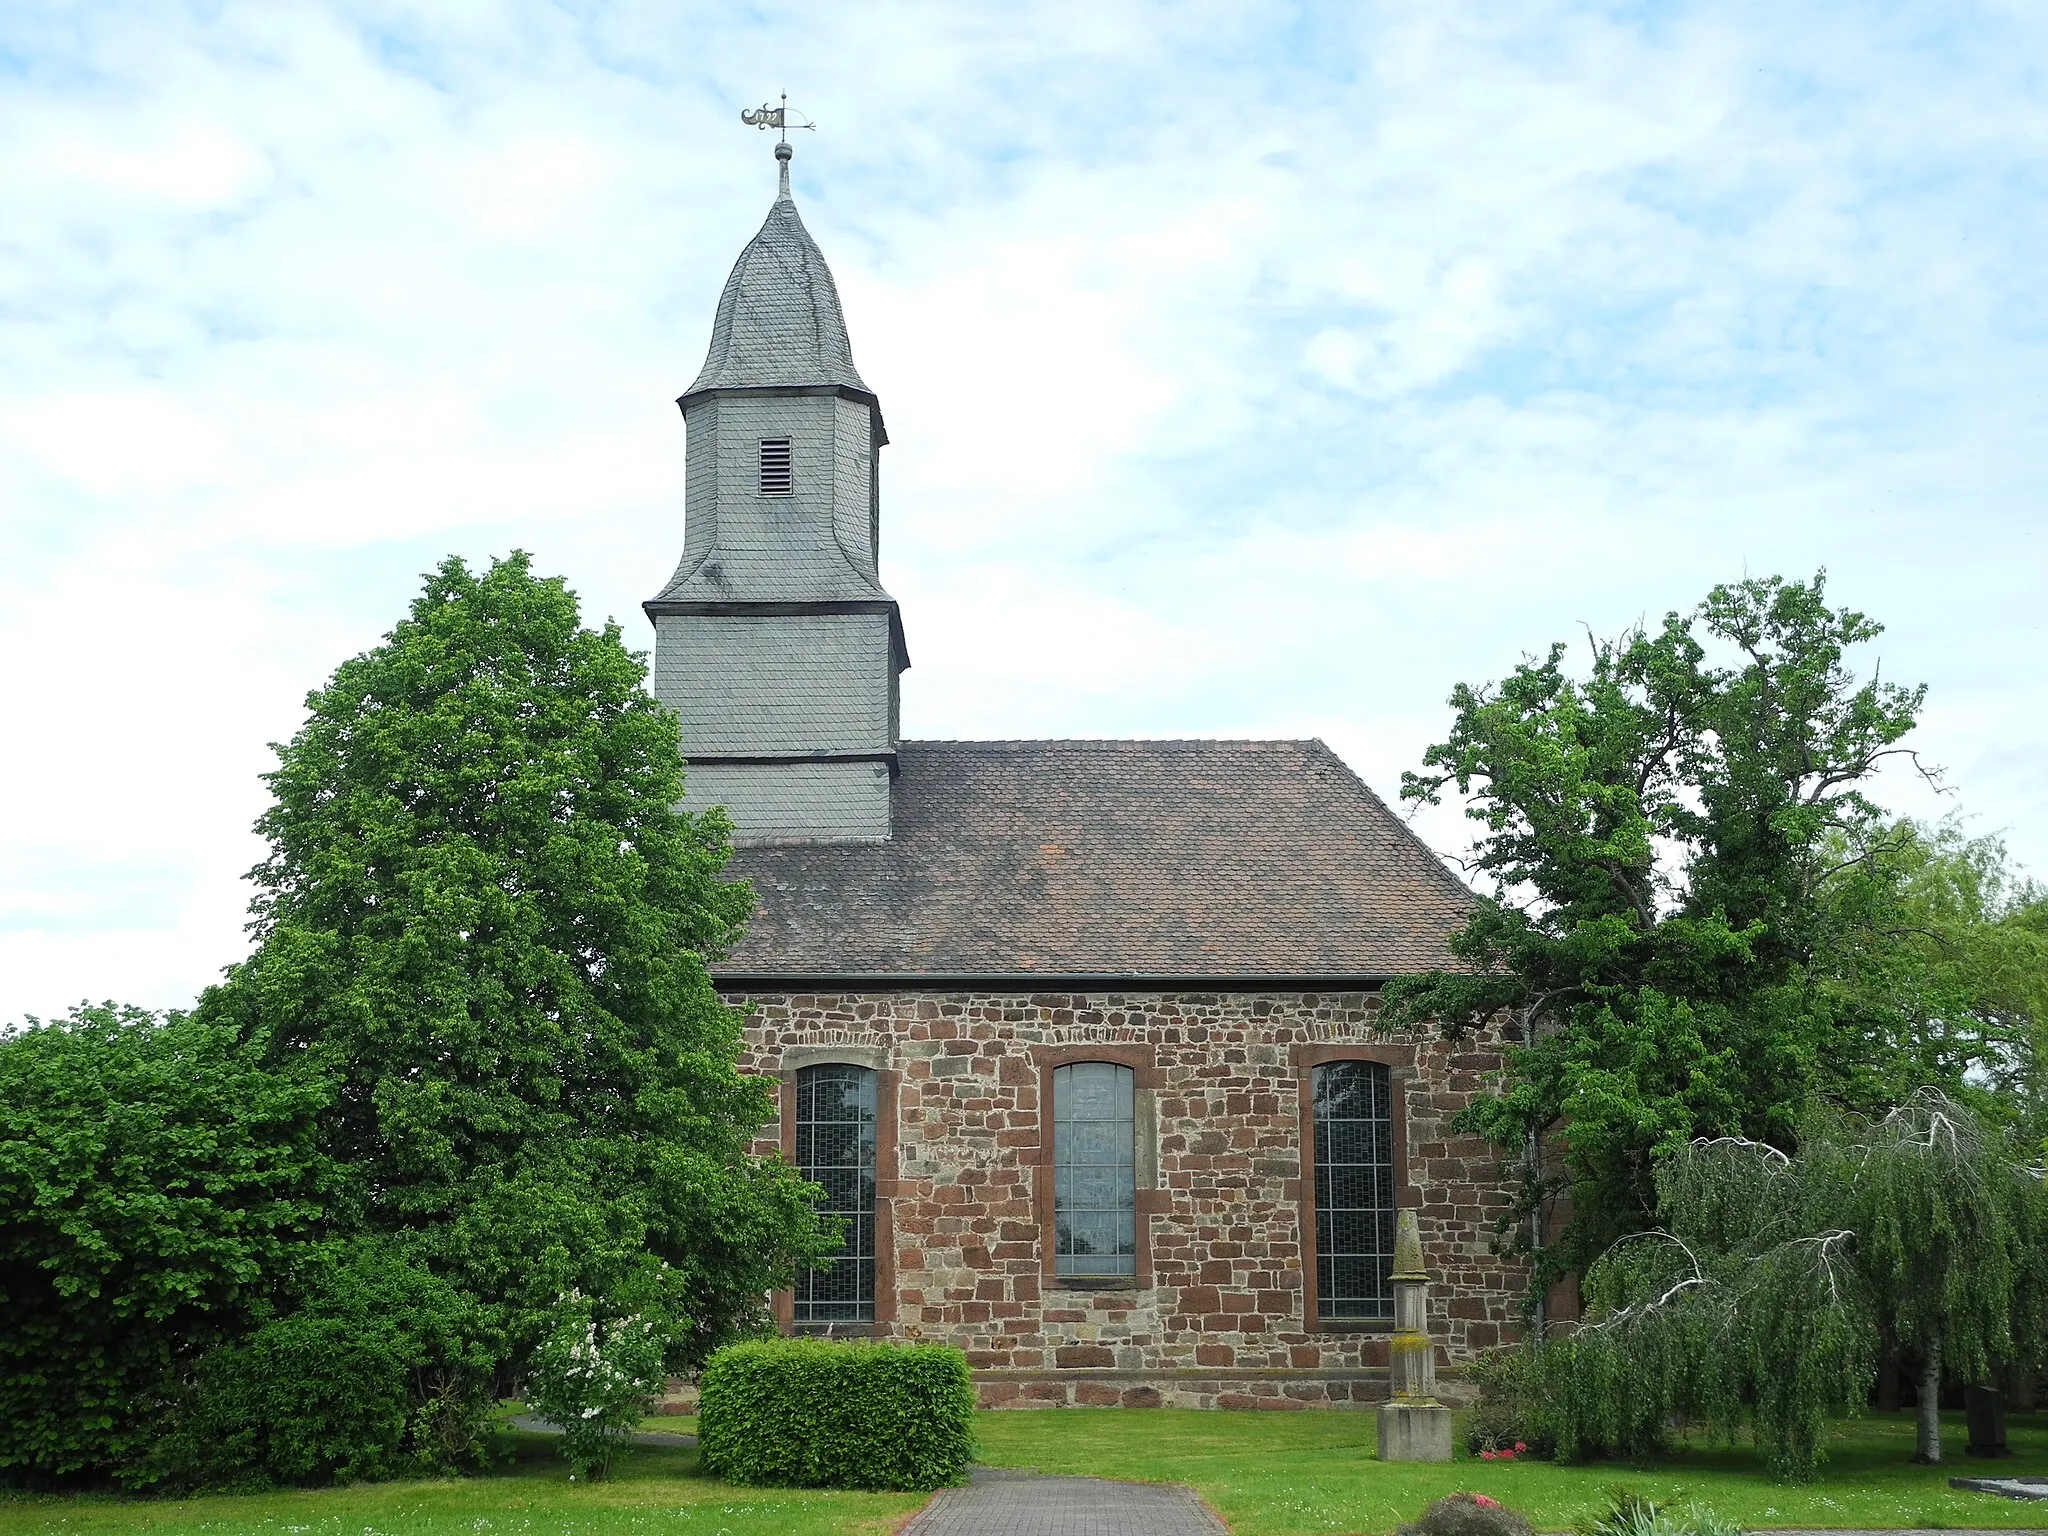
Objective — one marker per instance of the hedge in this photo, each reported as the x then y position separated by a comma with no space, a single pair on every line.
810,1413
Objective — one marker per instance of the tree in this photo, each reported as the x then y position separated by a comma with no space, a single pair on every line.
1777,1279
485,922
1658,834
1938,958
474,1063
155,1176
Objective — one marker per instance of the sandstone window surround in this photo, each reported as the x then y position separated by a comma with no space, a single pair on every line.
1148,1199
1399,1061
835,1149
795,1060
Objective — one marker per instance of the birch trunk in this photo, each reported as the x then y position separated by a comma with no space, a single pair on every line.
1928,1449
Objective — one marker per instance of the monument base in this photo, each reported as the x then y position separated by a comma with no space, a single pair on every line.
1415,1430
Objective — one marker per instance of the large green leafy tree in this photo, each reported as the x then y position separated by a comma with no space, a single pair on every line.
1658,832
485,922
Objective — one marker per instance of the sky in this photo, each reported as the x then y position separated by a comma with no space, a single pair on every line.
1251,369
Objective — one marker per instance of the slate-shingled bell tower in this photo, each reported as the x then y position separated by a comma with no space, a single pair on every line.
774,642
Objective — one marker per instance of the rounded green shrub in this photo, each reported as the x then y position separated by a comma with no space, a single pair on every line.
1469,1514
811,1413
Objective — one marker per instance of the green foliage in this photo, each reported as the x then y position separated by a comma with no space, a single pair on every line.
594,1378
154,1175
484,922
1658,832
816,1414
1468,1514
474,1062
1769,1296
373,1368
1513,1409
1939,961
1634,1514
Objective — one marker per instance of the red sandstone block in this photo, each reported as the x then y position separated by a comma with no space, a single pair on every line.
1200,1298
1235,1400
1073,1357
1096,1394
1305,1357
1280,1402
1142,1397
1215,1354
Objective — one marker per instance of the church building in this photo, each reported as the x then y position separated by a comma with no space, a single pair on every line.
1076,1035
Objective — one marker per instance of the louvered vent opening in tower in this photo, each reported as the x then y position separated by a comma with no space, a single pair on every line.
777,477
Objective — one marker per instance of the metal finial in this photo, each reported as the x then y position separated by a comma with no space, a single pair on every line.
766,116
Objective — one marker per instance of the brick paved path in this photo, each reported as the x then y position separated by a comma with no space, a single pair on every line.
1013,1504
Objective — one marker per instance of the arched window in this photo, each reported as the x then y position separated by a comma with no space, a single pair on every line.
835,1147
1095,1166
1354,1198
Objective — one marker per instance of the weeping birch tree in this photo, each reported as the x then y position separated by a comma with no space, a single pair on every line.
1778,1279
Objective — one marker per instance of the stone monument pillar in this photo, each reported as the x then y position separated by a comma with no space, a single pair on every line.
1414,1426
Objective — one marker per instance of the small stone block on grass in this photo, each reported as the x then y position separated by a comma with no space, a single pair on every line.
1414,1431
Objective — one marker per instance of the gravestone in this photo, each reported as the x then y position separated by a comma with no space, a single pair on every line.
1984,1409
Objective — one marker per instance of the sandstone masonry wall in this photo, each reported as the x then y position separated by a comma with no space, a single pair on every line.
1218,1317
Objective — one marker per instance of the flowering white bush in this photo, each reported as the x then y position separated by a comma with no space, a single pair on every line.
593,1379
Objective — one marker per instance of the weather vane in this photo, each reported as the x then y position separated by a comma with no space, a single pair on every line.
766,116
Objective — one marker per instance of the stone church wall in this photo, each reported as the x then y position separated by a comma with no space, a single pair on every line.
1219,1316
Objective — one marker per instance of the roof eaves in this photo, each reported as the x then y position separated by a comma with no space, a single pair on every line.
1045,981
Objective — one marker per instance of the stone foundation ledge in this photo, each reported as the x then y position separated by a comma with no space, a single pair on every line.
1278,1390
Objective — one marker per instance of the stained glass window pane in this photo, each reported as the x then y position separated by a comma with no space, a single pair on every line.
835,1148
1354,1143
1095,1183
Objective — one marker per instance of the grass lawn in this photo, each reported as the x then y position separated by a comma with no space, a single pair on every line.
655,1489
1268,1474
1292,1474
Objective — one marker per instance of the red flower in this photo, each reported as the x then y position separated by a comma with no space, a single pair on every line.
1484,1502
1520,1447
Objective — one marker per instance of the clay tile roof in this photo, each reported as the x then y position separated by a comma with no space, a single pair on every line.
1222,860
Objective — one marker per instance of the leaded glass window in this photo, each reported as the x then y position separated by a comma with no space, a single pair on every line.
1095,1166
1354,1144
835,1148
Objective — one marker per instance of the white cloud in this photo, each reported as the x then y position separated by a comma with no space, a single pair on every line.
1252,368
